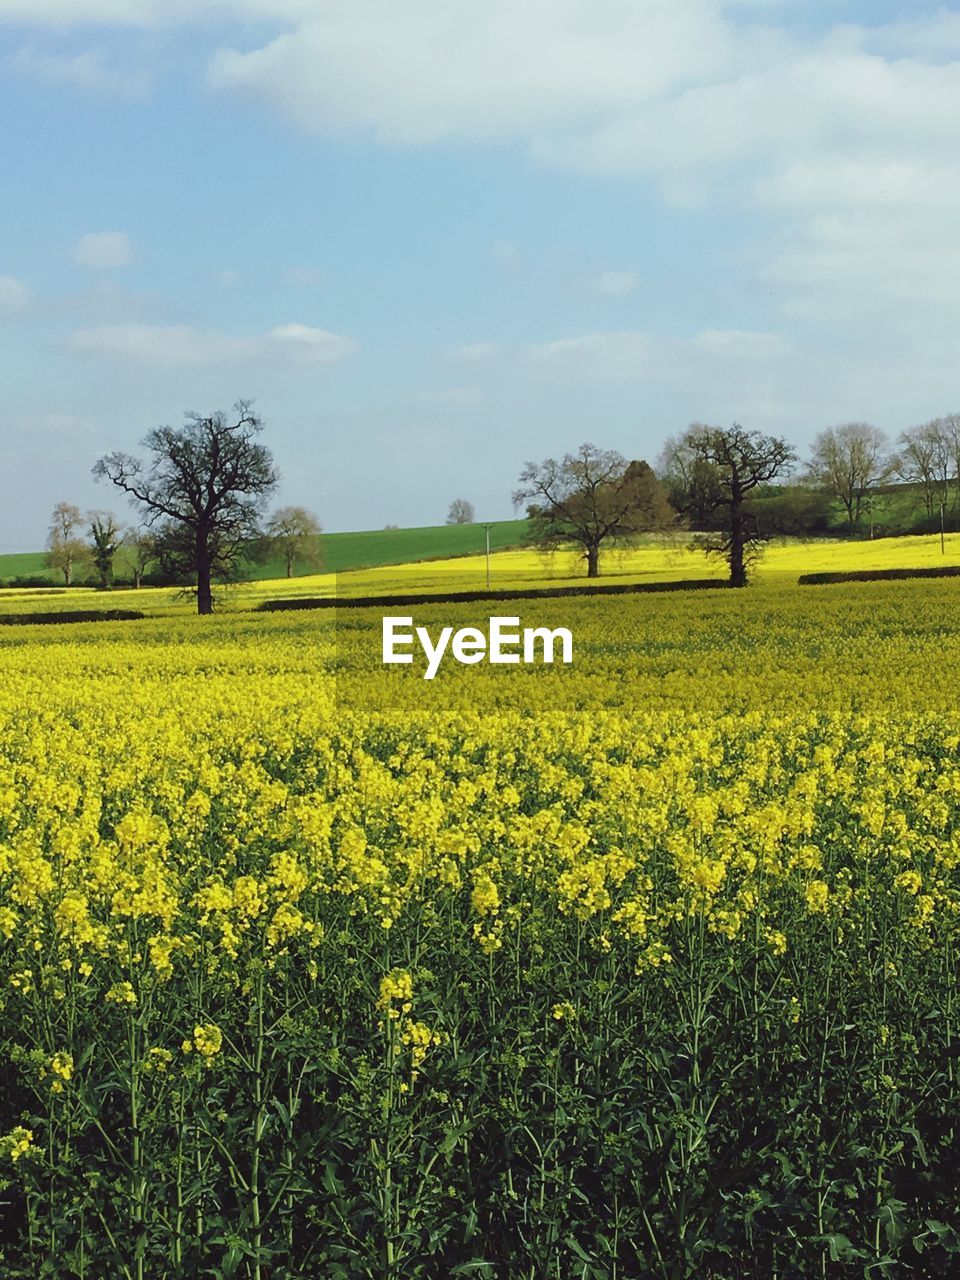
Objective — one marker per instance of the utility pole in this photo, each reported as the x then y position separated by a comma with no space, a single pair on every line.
487,528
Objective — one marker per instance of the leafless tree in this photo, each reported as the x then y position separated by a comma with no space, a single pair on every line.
205,482
143,543
592,497
65,548
848,461
714,470
924,460
294,534
950,428
461,512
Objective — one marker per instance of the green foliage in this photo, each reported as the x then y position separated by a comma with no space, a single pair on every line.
717,1117
877,575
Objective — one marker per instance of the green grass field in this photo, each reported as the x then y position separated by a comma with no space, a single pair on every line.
338,551
25,564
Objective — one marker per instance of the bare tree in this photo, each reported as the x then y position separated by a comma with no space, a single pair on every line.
65,548
143,543
106,538
206,482
714,469
591,497
950,428
461,512
924,461
294,534
848,461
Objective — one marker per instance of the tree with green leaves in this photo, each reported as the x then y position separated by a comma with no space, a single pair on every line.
106,539
592,498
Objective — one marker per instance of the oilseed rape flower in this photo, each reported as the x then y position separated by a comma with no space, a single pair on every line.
909,881
418,1037
396,993
817,894
16,1144
61,1065
207,1040
239,841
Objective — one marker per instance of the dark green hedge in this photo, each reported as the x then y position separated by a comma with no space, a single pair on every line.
468,597
877,575
71,615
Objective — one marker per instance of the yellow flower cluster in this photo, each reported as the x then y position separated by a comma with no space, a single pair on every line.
207,1039
190,805
15,1144
418,1037
396,993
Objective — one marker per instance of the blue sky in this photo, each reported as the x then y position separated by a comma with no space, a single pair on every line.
433,241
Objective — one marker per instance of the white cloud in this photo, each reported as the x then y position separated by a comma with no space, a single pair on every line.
421,72
721,104
603,357
627,356
86,70
313,346
138,13
104,249
14,295
475,352
181,345
619,284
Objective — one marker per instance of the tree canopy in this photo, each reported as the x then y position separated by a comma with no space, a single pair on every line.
205,484
711,472
592,498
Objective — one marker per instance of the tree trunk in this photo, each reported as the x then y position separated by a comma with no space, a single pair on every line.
738,569
68,573
204,589
136,579
289,565
593,562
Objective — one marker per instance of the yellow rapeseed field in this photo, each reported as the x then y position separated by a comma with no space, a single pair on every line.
659,559
309,967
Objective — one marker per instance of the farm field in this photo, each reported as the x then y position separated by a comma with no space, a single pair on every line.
644,966
660,560
338,551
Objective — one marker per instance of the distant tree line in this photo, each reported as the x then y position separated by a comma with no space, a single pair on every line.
733,489
201,491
